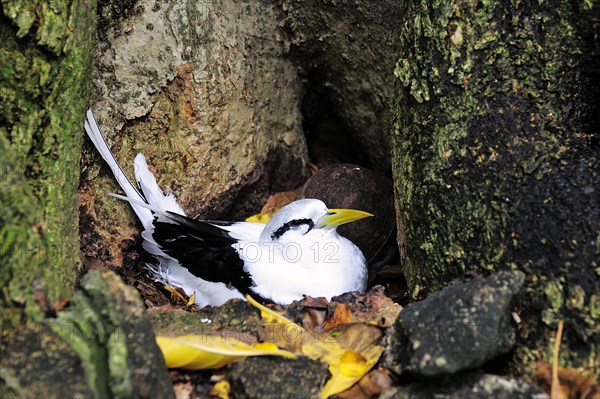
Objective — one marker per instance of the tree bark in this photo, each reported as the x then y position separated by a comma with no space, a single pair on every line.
45,53
495,155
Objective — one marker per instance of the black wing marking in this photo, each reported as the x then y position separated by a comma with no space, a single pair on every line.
291,225
203,248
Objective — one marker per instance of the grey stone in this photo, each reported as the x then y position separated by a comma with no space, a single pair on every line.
460,327
471,386
106,326
276,377
235,316
36,364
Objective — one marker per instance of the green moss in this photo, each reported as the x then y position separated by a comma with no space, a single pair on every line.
45,76
490,98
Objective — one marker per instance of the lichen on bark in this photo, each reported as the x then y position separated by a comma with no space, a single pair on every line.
495,156
45,54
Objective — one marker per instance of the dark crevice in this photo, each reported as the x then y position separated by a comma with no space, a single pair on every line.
328,139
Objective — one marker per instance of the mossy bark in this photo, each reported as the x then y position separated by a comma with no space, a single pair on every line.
45,54
495,155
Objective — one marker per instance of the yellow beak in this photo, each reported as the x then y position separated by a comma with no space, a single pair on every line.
337,217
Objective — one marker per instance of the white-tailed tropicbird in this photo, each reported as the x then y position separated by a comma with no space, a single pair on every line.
297,253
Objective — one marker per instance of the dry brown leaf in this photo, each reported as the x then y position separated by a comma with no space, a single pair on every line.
313,319
316,312
574,383
370,386
183,390
351,351
341,315
279,200
358,336
317,303
274,203
374,308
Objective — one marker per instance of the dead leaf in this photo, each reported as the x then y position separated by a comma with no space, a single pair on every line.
277,329
341,315
202,351
279,200
370,386
374,308
575,384
183,390
316,312
350,352
349,369
274,203
313,319
318,302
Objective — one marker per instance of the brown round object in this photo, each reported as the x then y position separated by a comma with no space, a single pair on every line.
355,187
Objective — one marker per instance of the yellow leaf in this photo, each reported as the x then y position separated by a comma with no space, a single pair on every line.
195,352
280,330
352,364
322,347
221,390
350,368
262,217
192,299
350,355
350,352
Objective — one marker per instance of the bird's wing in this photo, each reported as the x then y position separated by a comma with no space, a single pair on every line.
206,249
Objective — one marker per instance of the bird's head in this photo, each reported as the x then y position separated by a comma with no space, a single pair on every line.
302,216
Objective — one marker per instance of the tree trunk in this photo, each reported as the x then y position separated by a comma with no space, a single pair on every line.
45,53
495,156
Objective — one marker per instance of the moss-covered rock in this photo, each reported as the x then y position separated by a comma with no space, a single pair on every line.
36,363
234,317
461,327
107,327
101,346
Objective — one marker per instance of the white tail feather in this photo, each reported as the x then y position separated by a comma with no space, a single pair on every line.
153,193
153,199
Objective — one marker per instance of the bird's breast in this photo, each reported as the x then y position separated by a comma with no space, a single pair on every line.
285,271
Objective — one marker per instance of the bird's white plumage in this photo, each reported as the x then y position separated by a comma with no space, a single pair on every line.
286,259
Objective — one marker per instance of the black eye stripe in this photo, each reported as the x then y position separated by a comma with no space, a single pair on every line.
291,224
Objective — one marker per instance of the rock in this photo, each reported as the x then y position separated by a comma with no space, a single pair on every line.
235,316
36,364
460,327
107,327
101,346
273,377
468,386
355,187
